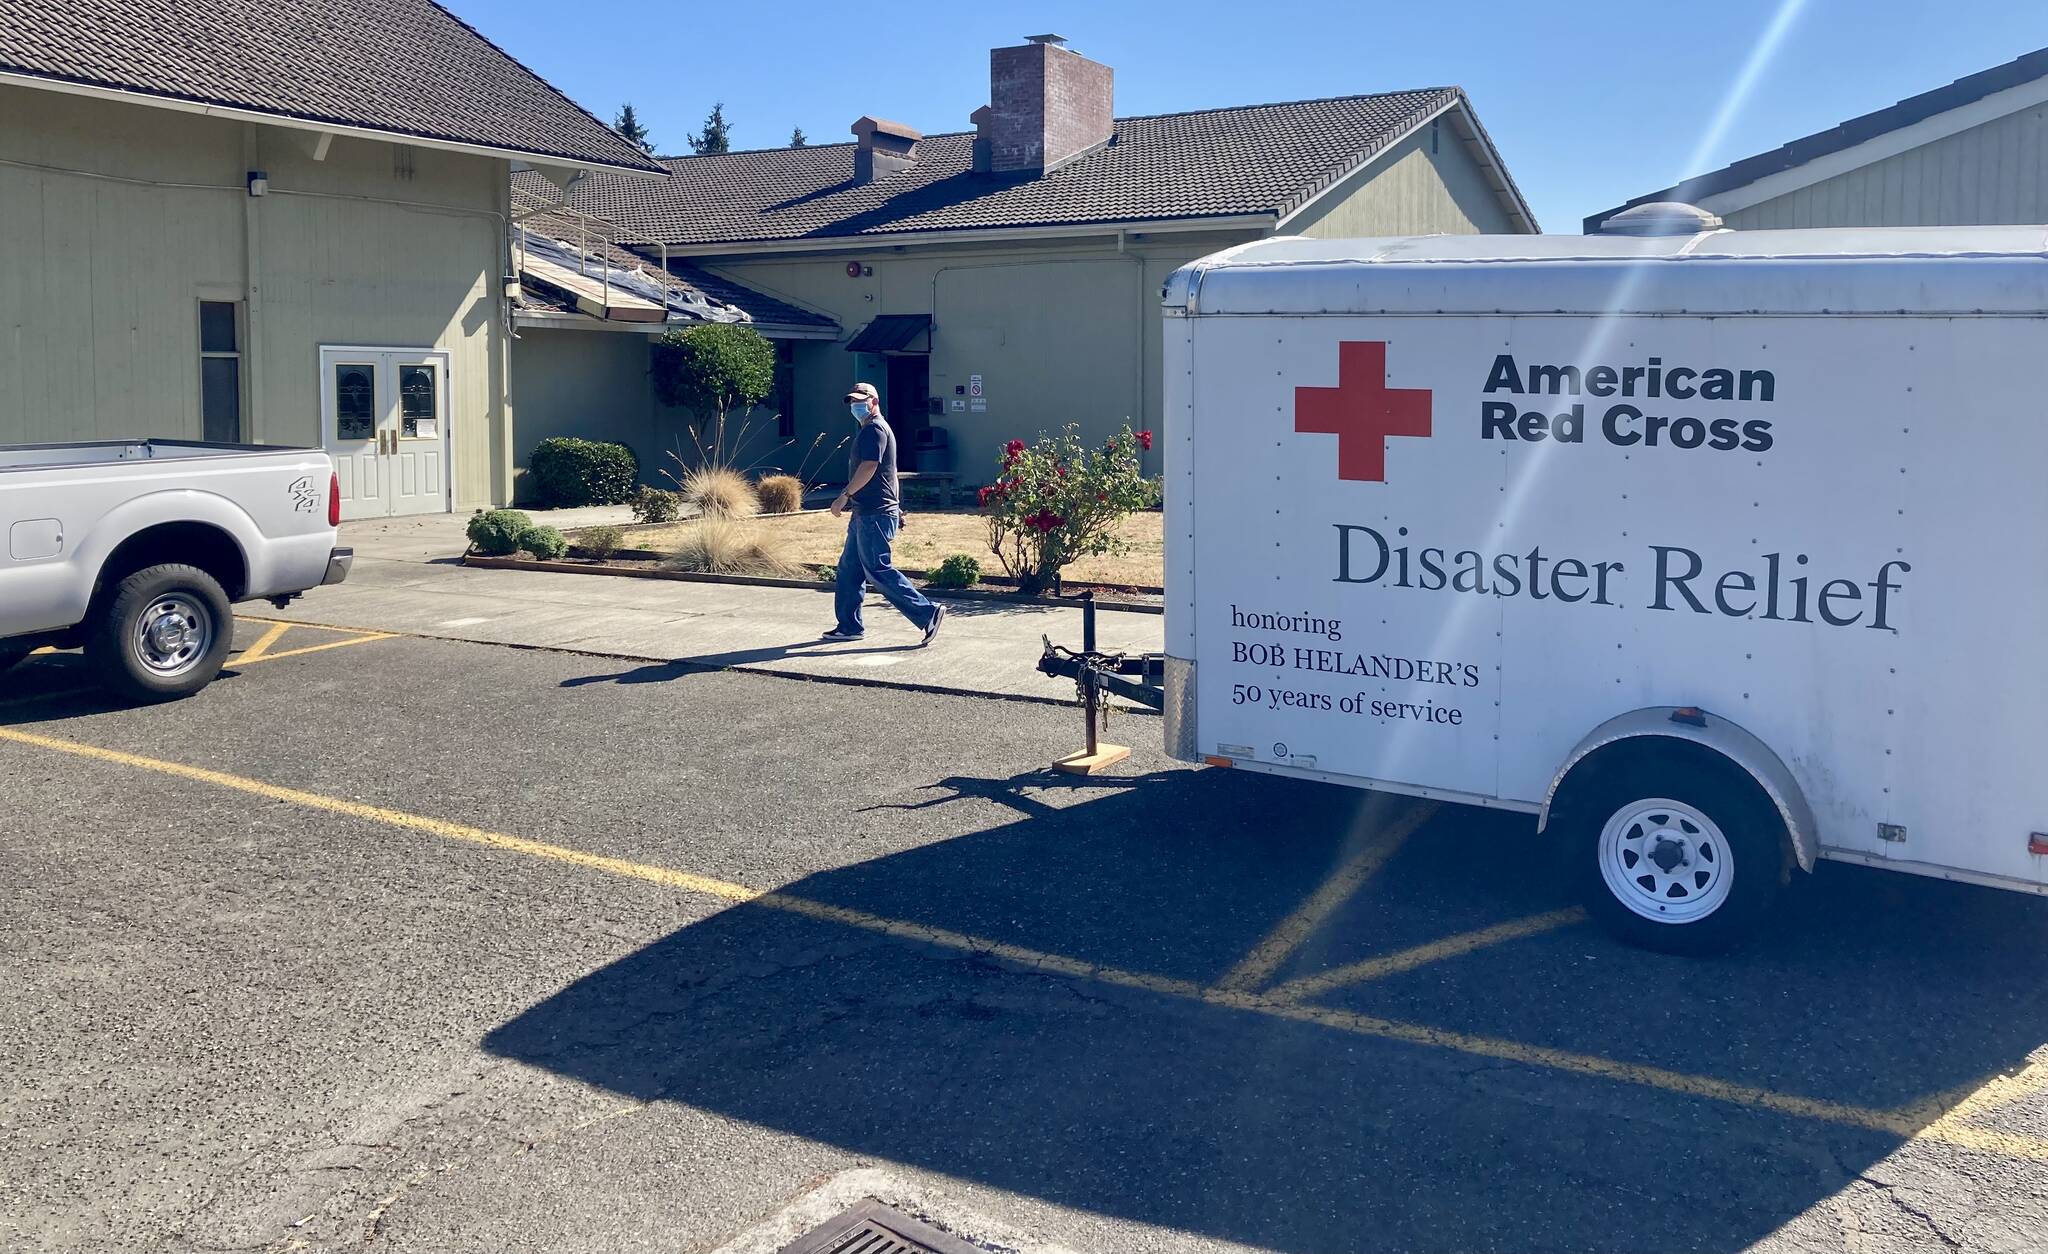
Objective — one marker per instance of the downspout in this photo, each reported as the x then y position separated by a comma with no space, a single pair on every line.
255,424
501,468
1146,311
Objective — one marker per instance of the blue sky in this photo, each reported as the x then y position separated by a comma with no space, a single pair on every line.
1590,103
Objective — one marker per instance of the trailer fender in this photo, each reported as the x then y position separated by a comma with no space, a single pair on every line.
1731,740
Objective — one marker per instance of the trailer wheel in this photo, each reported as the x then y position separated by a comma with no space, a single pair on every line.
161,633
1674,849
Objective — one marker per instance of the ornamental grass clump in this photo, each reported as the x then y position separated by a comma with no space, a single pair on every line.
1060,500
720,545
780,494
719,491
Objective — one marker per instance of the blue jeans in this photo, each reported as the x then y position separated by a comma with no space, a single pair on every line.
866,560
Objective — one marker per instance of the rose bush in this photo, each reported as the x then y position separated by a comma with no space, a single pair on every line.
1059,500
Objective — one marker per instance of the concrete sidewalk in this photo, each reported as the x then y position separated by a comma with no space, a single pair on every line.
408,579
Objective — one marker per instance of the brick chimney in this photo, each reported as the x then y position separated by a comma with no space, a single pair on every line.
884,148
1047,106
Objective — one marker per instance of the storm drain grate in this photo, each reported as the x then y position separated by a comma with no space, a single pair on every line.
872,1228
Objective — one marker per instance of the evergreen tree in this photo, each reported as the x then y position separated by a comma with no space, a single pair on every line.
627,124
796,138
717,136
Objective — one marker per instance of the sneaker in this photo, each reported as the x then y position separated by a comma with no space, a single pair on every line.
836,634
931,630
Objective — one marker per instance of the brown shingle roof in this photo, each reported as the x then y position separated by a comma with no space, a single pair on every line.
1213,163
408,67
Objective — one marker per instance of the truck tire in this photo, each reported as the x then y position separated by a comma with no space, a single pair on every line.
161,633
1674,849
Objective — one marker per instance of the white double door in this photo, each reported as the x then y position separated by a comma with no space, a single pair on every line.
385,414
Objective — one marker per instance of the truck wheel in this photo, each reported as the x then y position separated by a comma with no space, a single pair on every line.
162,633
1677,851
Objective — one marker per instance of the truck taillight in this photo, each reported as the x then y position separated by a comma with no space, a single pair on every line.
334,499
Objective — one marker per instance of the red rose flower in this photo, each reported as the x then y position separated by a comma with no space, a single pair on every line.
1145,440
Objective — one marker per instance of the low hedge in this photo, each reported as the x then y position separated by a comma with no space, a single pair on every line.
568,473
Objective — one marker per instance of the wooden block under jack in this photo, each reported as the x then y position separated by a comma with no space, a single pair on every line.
1085,763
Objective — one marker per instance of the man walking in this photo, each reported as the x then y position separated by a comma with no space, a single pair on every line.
875,511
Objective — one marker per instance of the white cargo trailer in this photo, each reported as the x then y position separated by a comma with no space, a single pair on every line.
1720,552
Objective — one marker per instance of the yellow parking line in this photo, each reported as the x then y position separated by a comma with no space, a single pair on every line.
1258,966
60,694
314,648
1899,1123
1963,1102
1308,986
256,651
392,818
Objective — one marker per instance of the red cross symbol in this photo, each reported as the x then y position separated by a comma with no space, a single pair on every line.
1362,411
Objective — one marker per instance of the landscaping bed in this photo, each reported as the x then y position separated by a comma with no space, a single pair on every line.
814,538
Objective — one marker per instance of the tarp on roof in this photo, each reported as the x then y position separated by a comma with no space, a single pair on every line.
892,333
682,303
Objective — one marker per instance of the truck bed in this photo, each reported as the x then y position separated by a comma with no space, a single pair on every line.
105,452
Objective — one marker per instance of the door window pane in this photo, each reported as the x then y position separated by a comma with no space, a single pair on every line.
355,402
220,398
216,326
416,401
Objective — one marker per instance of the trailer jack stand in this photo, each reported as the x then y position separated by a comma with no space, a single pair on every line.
1099,754
1098,675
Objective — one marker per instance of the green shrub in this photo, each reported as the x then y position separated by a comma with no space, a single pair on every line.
496,534
601,542
826,574
957,571
568,473
657,505
544,543
780,494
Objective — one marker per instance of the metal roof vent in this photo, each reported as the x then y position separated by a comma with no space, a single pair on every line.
1661,217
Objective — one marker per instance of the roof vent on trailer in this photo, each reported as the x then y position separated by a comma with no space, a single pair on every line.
1661,217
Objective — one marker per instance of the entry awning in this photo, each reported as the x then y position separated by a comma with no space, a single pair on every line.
893,333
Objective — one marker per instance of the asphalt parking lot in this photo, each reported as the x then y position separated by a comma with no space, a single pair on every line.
402,944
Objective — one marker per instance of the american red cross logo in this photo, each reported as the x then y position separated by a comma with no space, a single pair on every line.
1362,411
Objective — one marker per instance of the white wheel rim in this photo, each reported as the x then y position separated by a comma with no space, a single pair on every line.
1666,861
173,634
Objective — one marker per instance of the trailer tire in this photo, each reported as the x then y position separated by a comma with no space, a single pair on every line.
161,633
1672,847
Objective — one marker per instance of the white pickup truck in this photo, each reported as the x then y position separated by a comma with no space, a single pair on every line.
136,550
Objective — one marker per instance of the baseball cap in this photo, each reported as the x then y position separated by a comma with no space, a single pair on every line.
862,392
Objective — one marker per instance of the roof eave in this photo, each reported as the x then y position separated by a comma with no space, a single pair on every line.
154,100
942,235
1723,191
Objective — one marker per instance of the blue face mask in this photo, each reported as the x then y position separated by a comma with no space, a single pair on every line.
859,410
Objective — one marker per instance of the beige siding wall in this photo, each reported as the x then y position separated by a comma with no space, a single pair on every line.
1412,190
101,277
588,384
1065,333
1989,174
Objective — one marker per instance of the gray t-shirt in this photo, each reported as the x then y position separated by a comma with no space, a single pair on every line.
875,442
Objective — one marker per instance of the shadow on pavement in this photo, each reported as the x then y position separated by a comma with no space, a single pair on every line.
1140,1103
678,668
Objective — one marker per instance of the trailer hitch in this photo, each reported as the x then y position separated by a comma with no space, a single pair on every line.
1096,675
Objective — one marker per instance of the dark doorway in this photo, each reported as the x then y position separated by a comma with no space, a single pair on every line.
910,385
